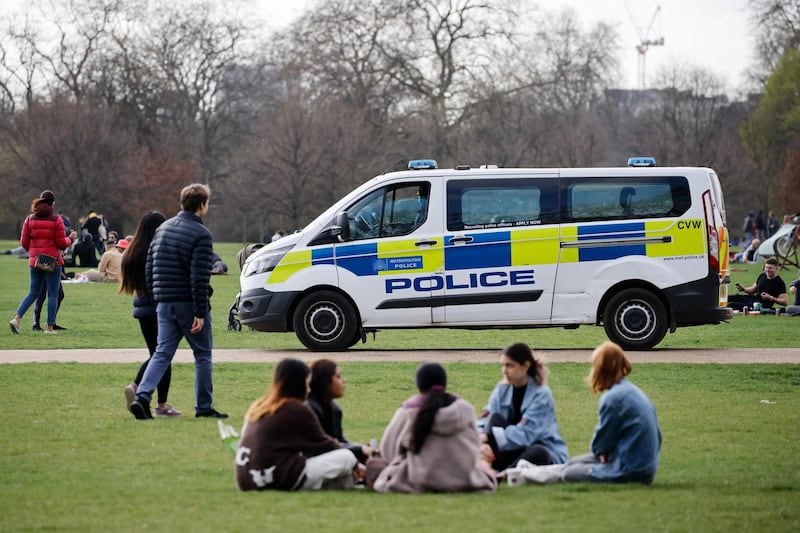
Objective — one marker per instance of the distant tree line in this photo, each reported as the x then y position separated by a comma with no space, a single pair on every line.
115,104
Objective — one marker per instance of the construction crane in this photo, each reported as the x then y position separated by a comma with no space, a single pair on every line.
645,42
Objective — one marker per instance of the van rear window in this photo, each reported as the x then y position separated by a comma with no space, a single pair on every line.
585,199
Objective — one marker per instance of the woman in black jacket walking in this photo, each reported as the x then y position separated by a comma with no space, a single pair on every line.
144,309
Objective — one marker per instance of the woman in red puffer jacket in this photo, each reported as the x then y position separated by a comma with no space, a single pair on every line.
43,233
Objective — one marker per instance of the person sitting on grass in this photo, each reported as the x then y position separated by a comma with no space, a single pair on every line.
794,289
328,384
110,264
283,446
768,290
84,253
749,254
432,443
627,440
519,421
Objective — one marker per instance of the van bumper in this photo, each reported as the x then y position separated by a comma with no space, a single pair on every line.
697,302
263,310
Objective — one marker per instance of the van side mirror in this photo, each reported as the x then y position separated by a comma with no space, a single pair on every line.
341,226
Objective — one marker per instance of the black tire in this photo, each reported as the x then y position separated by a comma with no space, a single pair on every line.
635,319
355,340
325,321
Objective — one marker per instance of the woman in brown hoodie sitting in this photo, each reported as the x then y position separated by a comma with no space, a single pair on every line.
283,446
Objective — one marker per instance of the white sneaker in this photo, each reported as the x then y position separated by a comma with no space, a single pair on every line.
130,394
544,474
50,332
14,323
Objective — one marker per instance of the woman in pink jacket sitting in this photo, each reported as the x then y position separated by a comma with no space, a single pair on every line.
432,443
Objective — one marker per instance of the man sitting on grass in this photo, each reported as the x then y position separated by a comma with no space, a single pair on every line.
768,290
749,254
109,268
794,288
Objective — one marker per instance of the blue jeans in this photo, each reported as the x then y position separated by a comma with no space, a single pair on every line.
53,281
175,323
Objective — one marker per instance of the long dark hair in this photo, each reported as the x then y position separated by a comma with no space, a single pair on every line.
135,257
322,371
522,353
288,383
431,381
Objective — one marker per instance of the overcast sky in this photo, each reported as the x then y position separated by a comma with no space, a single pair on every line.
713,34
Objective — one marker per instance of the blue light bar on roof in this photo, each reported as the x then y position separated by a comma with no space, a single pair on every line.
422,164
641,161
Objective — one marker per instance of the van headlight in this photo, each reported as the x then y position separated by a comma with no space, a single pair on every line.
265,262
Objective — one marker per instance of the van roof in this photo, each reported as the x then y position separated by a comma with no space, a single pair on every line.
548,172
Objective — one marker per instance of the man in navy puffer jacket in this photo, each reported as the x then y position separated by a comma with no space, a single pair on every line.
178,272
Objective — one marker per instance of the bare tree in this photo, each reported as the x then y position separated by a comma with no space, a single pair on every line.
187,50
335,49
302,160
691,112
20,63
58,50
538,108
434,51
77,149
777,24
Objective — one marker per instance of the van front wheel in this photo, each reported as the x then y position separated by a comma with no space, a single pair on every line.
325,321
635,319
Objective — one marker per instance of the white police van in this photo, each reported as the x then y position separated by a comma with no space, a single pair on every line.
641,250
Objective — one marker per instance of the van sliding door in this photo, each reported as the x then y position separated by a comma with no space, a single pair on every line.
500,249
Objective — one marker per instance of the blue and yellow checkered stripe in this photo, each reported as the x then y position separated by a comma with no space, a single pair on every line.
523,247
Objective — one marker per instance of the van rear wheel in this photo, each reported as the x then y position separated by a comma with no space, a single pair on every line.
635,319
325,321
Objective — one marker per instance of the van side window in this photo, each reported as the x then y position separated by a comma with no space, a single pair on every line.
587,199
389,211
501,203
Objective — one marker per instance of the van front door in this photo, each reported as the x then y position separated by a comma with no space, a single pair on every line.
394,247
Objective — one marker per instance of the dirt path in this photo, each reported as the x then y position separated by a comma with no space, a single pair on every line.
131,355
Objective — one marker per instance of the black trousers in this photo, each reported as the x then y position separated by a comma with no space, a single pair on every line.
149,327
535,453
740,301
37,307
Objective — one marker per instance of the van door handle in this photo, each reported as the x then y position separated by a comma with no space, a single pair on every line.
424,243
460,239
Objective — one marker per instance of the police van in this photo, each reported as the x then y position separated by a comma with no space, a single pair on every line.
640,249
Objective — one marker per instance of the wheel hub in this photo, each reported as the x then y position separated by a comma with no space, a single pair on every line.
324,321
636,321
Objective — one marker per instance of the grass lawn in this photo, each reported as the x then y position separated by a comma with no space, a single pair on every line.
75,460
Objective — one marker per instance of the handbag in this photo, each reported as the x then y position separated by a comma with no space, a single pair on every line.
43,262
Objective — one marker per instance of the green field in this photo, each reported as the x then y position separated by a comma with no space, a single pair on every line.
74,459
